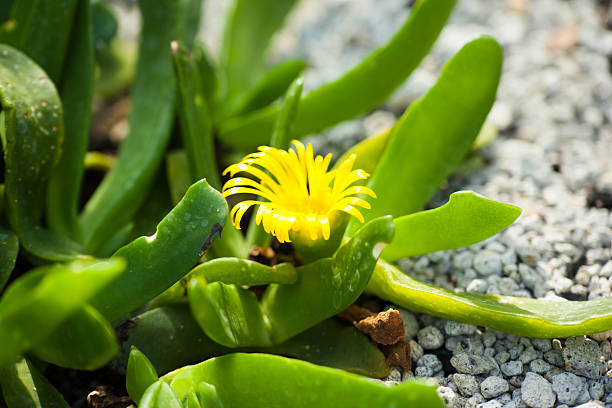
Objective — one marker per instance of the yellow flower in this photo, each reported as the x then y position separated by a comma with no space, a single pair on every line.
301,193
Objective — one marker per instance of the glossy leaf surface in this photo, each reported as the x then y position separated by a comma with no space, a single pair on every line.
521,316
362,88
140,374
466,219
31,137
232,316
160,395
77,94
9,247
158,261
180,341
244,272
249,28
36,303
23,386
41,30
84,341
303,385
436,132
153,101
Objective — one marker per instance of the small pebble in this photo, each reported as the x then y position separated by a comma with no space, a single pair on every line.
488,263
536,392
472,364
467,385
511,368
430,361
493,386
581,357
430,338
568,387
539,366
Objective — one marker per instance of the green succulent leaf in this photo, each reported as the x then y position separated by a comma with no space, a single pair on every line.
270,87
436,132
180,341
244,272
304,385
160,395
41,30
521,316
36,304
24,387
104,25
84,341
232,316
466,219
77,94
140,374
196,129
9,247
249,28
153,100
361,89
31,125
158,261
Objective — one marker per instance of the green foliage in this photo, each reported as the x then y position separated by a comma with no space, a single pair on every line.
303,384
187,291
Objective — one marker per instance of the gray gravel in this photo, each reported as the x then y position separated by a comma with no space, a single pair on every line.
554,114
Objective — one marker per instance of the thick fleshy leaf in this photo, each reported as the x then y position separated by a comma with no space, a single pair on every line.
244,272
37,303
41,30
466,219
124,188
515,315
303,385
180,341
270,87
84,341
158,261
361,89
104,25
24,387
249,28
196,130
9,247
32,129
77,93
436,132
140,374
232,316
160,395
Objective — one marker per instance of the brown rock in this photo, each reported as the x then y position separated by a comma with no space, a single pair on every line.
563,38
398,354
384,328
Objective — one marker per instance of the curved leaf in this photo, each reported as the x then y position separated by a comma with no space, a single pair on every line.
9,247
158,261
303,385
515,315
466,219
180,341
77,93
140,374
250,26
84,341
160,395
32,134
244,272
24,387
41,30
124,188
232,316
436,132
36,303
362,88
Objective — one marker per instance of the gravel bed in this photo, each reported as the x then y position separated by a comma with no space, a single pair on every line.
552,158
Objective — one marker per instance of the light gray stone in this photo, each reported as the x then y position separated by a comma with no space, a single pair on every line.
596,389
416,351
423,372
430,338
472,364
430,361
536,392
448,396
493,386
542,345
466,384
453,328
411,324
511,368
528,355
581,356
488,263
490,404
568,387
539,366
